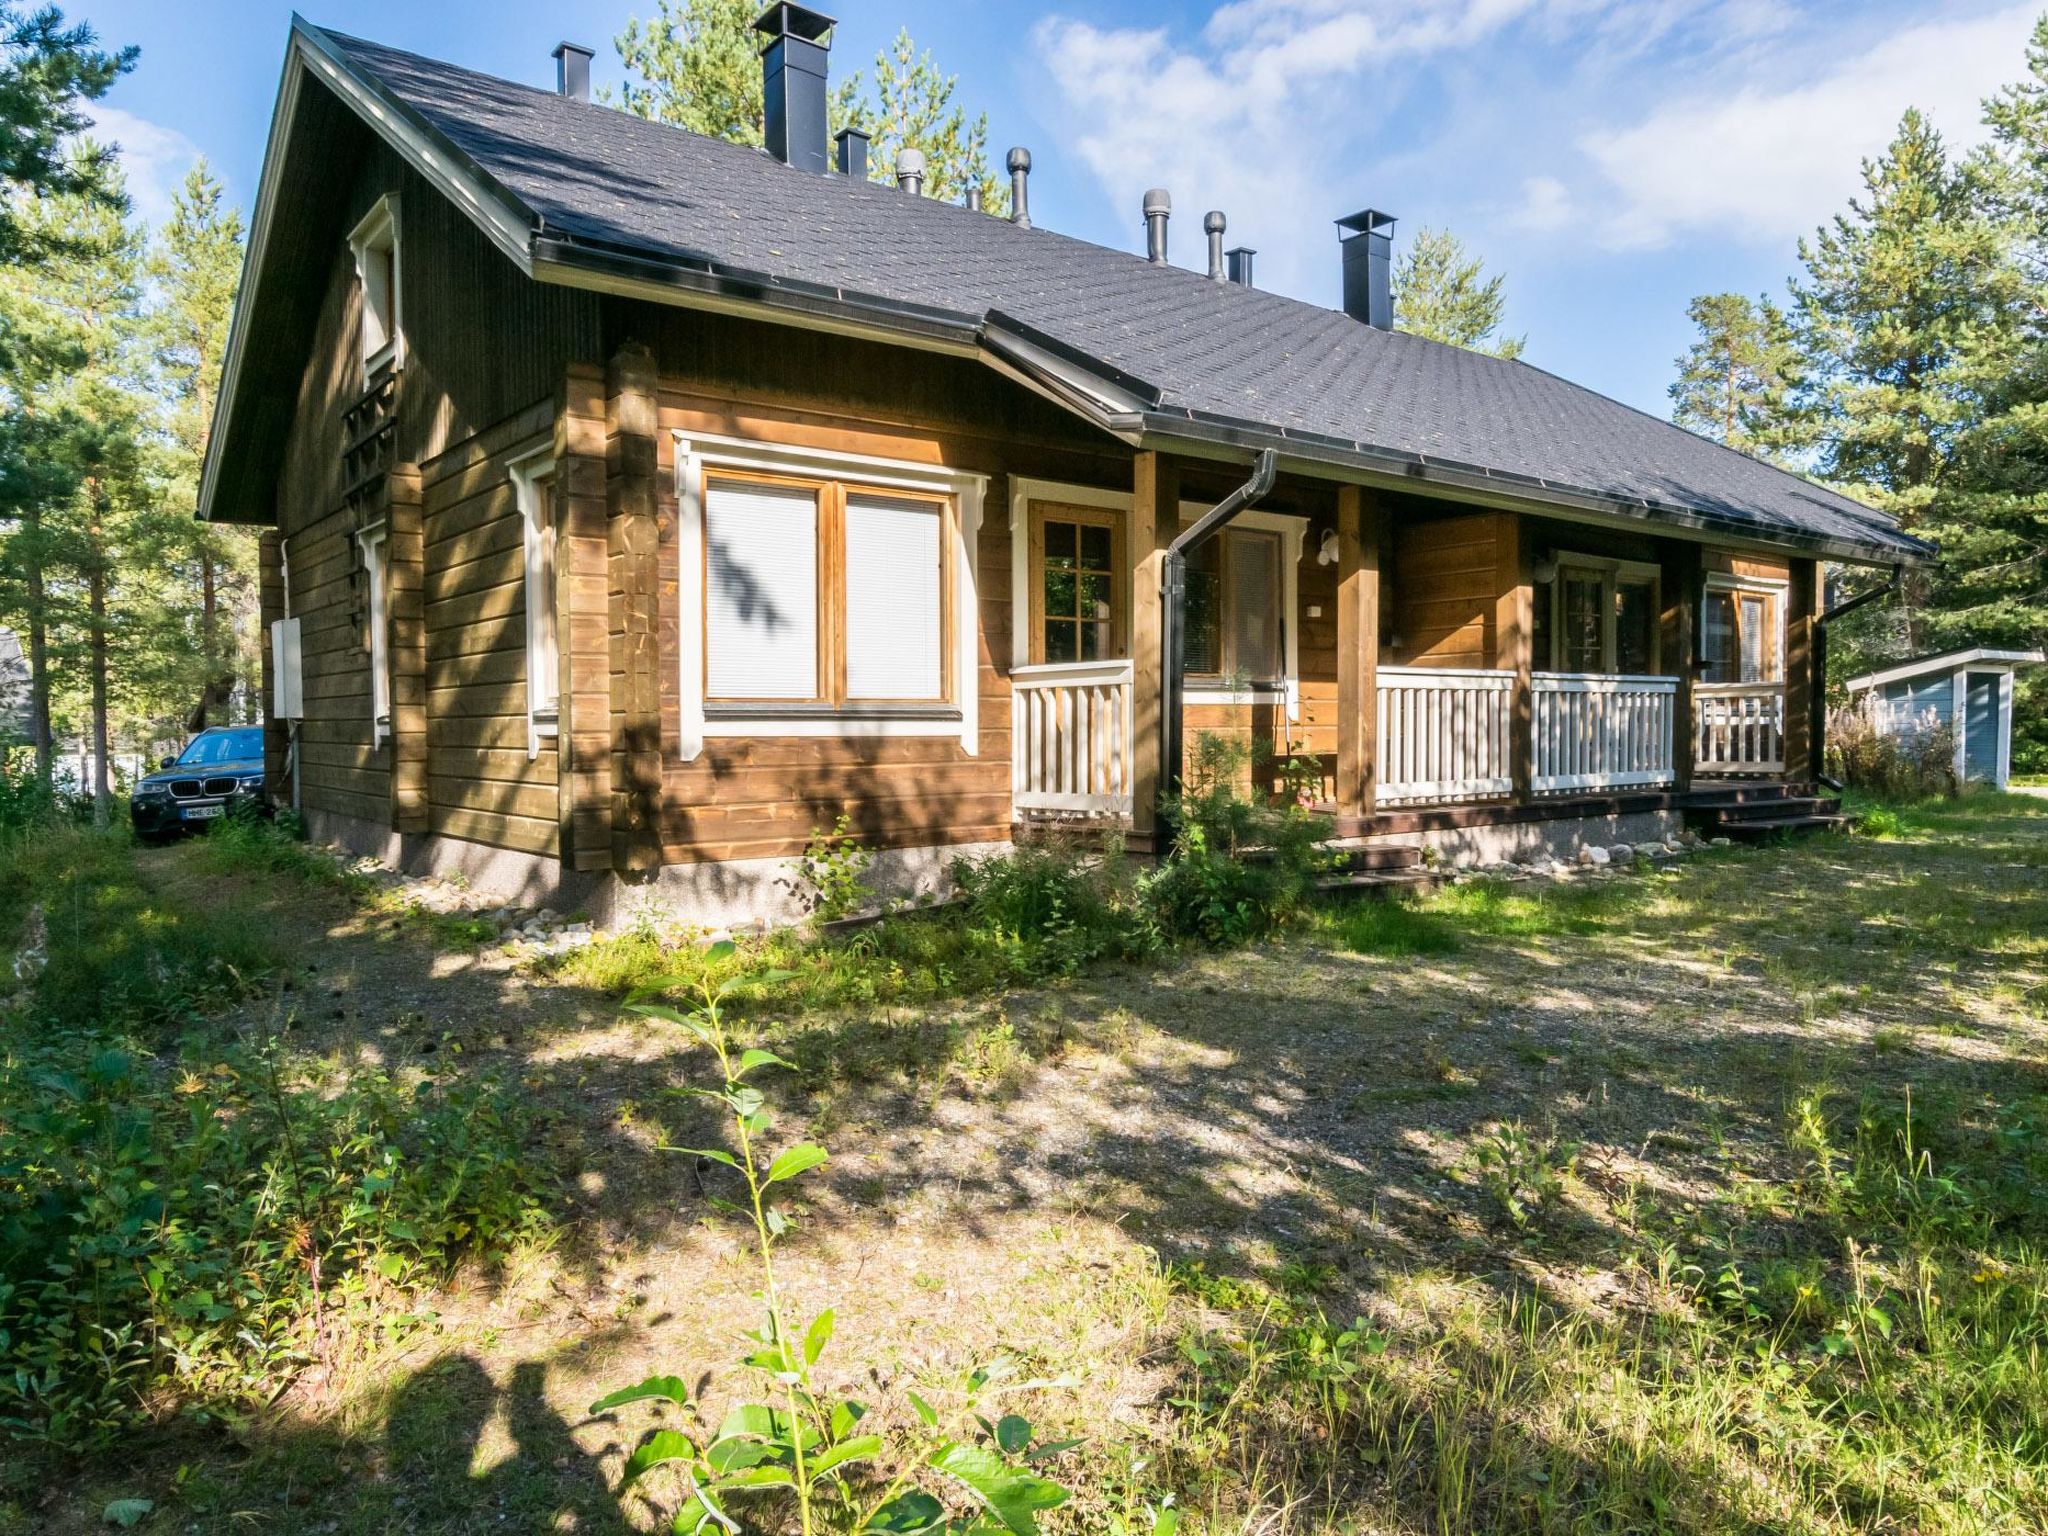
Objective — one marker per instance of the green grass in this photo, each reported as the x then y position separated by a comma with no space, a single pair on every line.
122,947
1441,922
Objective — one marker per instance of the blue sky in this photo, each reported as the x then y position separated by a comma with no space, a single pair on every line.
1612,157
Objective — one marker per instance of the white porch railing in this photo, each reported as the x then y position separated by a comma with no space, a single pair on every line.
1594,731
1443,734
1070,738
1740,728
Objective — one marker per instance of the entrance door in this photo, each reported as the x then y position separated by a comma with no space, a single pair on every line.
1980,727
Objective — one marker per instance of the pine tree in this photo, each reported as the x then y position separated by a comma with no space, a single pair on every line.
193,268
47,70
697,64
1735,382
1905,313
1441,291
81,373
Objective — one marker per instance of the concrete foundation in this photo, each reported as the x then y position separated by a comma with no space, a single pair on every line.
737,893
1525,841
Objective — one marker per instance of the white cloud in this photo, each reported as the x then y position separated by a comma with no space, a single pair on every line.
153,157
1767,164
1546,205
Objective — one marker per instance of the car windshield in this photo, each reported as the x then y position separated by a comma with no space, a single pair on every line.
222,747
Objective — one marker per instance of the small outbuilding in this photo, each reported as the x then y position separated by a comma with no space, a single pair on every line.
1970,690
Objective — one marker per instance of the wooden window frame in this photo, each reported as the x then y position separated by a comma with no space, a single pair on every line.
1737,589
961,495
1230,677
830,593
1120,579
1614,574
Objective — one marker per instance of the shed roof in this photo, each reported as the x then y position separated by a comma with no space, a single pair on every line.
1945,661
582,193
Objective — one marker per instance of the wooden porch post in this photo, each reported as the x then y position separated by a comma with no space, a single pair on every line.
1802,686
583,745
406,549
633,544
1513,648
1155,519
1361,521
1681,577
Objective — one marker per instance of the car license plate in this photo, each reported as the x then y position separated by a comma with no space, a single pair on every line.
202,812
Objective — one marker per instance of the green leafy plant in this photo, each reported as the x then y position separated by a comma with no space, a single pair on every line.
1523,1172
813,1453
835,867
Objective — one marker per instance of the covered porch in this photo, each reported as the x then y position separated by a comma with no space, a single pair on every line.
1425,656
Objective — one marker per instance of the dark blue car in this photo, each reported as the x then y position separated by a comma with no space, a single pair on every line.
220,773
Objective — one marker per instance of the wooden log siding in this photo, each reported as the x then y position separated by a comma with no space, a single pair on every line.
269,608
1446,591
341,769
481,783
764,797
633,547
583,624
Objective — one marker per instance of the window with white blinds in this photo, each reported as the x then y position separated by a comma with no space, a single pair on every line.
760,591
894,598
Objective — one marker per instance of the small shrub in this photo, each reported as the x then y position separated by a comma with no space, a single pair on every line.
810,1455
1523,1172
835,867
1064,907
247,842
1910,761
192,1234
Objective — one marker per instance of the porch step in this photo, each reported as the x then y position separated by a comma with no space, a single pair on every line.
1767,826
1378,884
1377,856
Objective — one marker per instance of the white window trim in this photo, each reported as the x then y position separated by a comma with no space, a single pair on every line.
959,716
380,225
1778,587
1293,533
373,541
531,474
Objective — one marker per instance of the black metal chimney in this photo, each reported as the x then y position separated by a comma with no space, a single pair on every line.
1238,259
853,153
1369,267
793,84
572,70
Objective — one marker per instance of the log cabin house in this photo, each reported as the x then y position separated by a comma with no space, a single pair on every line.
637,503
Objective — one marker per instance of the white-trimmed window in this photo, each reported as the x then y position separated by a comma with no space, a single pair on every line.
1234,609
1596,615
823,594
1742,630
374,243
376,548
533,480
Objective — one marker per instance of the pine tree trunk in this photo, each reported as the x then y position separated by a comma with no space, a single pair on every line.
102,787
40,734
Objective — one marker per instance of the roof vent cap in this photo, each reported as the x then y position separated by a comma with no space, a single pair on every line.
1018,162
910,171
1213,225
1158,209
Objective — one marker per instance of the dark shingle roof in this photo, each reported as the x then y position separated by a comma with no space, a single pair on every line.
1205,350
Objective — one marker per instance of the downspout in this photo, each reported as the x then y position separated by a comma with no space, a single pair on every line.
1817,720
1173,599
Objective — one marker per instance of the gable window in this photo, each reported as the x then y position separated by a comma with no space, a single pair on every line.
1740,636
533,480
1596,615
823,593
1233,607
376,552
374,243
